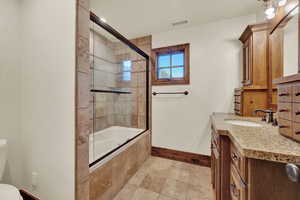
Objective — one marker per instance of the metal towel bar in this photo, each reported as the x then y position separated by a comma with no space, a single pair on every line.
156,93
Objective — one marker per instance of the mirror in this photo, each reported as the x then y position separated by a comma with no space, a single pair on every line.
284,46
284,49
290,45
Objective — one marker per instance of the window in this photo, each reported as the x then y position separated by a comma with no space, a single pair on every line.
171,65
126,70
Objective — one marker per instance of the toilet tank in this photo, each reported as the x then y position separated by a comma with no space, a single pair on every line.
3,156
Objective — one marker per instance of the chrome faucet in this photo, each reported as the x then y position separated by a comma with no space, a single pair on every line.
269,115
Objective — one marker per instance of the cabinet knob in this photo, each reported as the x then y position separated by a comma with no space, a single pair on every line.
297,94
293,172
283,94
283,110
283,126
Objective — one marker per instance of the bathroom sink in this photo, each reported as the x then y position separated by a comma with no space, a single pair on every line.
243,123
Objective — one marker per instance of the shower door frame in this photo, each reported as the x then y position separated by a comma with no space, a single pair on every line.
94,18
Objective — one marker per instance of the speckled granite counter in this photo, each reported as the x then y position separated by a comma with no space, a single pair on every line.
263,143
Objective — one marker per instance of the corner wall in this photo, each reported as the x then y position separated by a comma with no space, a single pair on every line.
182,122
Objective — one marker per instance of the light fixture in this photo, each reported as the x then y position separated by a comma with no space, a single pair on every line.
103,19
281,2
271,7
270,11
270,16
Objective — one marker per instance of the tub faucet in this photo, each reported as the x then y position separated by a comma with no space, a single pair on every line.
269,115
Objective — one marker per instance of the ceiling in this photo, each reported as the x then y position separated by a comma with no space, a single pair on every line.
134,18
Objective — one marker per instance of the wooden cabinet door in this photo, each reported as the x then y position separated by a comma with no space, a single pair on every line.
216,170
247,62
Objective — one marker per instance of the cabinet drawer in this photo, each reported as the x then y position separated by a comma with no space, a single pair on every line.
285,127
238,92
284,93
296,112
237,99
238,189
238,106
296,93
238,161
296,131
238,112
285,110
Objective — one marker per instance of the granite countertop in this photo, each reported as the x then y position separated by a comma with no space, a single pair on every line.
264,143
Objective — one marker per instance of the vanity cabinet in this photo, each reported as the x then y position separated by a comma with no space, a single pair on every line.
255,53
219,159
236,177
254,92
289,109
248,100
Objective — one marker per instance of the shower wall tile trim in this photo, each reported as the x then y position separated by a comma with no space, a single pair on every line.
83,126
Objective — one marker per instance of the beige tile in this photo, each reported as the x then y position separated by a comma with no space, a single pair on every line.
143,149
198,193
83,22
162,197
161,163
201,178
83,90
82,158
143,194
83,125
175,189
101,183
180,175
126,193
82,190
84,3
153,183
137,179
83,58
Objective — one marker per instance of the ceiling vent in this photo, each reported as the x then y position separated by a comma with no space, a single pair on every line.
180,23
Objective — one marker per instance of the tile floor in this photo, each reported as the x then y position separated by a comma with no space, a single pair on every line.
163,179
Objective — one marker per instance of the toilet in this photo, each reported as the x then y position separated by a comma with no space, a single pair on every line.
7,192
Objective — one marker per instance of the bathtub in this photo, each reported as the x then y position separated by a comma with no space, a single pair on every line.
105,141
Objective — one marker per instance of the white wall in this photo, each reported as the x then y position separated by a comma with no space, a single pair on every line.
10,89
48,87
182,122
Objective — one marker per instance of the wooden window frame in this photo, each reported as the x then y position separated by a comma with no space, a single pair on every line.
167,50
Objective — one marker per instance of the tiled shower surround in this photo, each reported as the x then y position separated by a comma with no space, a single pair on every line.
90,184
107,60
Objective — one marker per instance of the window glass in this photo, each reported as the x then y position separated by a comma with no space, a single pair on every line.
126,76
164,60
126,68
164,73
178,72
178,59
127,65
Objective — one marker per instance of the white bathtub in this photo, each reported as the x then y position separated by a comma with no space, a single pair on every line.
106,140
